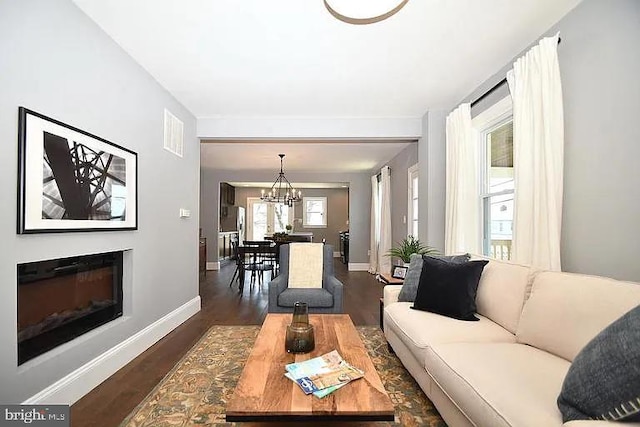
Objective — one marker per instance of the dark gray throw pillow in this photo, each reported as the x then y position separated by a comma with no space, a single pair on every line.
456,259
412,278
603,381
448,288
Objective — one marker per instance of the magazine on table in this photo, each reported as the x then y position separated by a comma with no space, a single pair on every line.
322,375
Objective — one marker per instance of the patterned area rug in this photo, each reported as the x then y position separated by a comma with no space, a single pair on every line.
196,390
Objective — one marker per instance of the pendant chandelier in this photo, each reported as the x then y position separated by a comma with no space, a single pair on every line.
363,12
281,191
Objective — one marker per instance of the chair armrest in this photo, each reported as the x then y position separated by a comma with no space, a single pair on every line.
332,284
278,284
391,293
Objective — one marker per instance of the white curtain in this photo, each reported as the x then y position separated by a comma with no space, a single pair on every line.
375,221
462,206
384,261
538,148
379,262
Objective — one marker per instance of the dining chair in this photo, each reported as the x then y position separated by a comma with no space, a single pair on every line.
236,256
261,259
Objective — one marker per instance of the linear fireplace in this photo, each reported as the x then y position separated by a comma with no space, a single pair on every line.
61,299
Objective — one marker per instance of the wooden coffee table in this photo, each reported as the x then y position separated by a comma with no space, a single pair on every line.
263,393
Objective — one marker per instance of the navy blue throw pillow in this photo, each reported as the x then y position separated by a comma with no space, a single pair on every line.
412,278
603,381
448,288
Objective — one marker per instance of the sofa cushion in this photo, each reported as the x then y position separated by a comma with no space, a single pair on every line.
449,288
313,297
499,384
565,311
390,293
412,278
419,330
604,379
502,291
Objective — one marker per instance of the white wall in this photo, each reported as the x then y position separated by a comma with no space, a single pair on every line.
353,128
309,127
56,61
337,211
359,204
399,167
599,66
431,179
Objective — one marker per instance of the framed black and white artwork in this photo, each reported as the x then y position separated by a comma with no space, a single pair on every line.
71,180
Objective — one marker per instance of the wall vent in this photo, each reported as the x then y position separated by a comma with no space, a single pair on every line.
173,133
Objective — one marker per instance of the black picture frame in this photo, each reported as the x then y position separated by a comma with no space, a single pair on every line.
70,180
399,272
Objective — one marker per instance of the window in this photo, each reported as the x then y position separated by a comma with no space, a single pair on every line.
264,219
412,211
314,214
495,129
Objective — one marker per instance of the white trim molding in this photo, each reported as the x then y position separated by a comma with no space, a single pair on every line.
223,127
72,387
213,265
412,172
358,266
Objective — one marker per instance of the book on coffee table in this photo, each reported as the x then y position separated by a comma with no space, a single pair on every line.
322,375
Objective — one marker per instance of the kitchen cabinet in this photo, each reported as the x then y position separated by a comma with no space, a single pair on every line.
225,248
227,194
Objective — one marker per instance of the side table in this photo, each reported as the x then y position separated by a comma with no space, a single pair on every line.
387,280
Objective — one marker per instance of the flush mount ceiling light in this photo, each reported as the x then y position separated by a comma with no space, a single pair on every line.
362,12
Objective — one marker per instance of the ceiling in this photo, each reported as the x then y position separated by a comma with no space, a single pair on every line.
303,156
291,58
297,185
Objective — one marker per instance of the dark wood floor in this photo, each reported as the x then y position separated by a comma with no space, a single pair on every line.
109,403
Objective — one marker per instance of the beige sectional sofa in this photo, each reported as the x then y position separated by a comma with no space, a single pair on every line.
508,368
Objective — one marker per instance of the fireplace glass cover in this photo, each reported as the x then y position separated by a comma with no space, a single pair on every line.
59,300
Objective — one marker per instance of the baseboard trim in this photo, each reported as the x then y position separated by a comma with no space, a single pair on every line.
358,266
213,265
72,387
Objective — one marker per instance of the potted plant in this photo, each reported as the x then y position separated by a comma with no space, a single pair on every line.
279,237
288,227
410,245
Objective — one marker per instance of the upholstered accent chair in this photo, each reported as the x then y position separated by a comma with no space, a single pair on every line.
327,299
